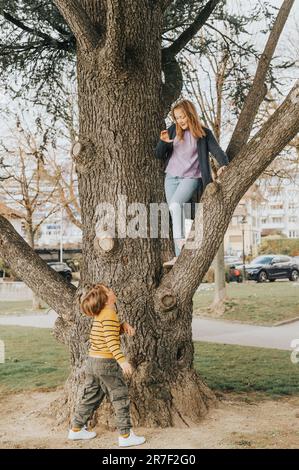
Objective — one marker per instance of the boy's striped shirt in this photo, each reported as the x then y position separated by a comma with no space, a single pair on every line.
105,336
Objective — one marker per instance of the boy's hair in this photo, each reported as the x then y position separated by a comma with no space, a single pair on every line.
94,300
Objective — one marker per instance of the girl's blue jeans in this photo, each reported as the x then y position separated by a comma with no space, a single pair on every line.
179,190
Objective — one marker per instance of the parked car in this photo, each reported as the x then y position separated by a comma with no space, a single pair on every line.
61,268
271,267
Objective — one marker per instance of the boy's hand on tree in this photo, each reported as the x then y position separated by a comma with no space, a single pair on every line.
127,369
164,136
128,329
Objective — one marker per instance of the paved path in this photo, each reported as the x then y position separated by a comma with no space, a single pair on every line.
219,331
45,320
213,331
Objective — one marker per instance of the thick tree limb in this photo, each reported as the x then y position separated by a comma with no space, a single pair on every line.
45,283
115,44
79,22
190,32
219,201
258,89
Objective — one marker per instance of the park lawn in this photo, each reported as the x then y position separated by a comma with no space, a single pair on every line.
231,368
35,360
255,303
18,307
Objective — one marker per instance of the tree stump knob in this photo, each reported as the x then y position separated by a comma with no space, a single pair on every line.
105,241
76,149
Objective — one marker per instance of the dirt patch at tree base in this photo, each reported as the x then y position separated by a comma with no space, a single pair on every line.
26,422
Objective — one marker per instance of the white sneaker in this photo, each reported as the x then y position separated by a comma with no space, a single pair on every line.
83,434
132,440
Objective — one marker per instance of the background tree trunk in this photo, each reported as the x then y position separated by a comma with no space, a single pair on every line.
218,305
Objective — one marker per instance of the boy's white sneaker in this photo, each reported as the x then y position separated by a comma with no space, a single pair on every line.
131,440
82,434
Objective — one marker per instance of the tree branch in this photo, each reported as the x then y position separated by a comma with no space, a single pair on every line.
220,200
27,265
165,4
48,40
115,44
190,32
79,22
173,84
258,89
22,26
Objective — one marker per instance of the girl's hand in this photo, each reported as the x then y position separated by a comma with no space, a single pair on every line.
164,136
221,170
128,329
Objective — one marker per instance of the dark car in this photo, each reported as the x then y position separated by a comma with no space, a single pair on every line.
61,268
271,267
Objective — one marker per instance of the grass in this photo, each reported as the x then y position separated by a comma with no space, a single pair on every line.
35,360
18,307
259,304
230,368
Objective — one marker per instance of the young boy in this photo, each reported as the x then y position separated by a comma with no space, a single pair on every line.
106,365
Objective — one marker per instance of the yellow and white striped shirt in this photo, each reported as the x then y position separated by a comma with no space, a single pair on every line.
104,336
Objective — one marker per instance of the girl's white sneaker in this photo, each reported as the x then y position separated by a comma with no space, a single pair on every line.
82,434
131,440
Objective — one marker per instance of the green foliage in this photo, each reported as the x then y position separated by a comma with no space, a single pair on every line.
37,50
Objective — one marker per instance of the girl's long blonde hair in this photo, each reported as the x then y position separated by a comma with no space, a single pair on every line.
195,126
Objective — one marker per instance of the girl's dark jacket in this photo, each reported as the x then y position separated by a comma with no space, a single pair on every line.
205,145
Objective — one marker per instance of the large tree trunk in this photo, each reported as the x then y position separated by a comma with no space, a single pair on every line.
121,114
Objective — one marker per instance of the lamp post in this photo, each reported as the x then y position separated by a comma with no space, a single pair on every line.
61,235
243,222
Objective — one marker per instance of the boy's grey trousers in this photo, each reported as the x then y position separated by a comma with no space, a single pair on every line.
104,377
